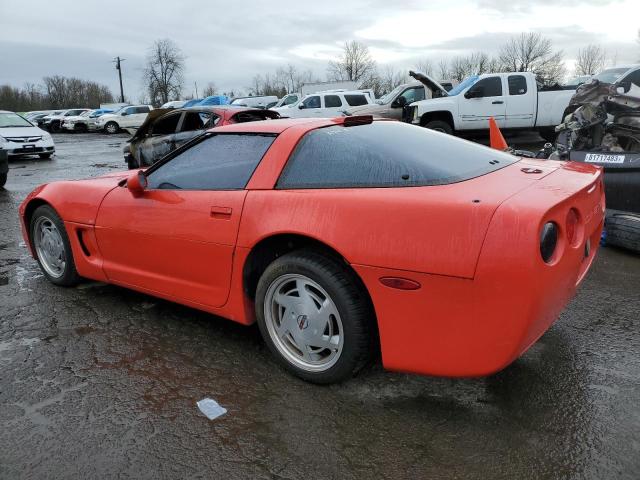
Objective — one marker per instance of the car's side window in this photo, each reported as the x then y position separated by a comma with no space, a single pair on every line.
633,77
355,100
166,125
332,101
517,84
217,162
312,102
195,121
141,110
413,94
491,87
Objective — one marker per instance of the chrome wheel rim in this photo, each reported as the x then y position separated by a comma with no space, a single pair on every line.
49,247
111,128
303,322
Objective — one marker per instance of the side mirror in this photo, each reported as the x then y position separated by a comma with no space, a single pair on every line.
475,92
399,102
137,183
124,113
301,106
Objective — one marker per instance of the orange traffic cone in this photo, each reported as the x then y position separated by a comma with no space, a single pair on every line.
496,139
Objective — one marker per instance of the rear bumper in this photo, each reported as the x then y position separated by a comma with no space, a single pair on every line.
461,327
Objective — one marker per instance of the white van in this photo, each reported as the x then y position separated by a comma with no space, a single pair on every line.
325,104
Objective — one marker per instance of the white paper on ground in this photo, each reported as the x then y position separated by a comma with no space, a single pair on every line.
210,408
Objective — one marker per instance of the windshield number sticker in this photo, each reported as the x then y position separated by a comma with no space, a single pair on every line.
601,158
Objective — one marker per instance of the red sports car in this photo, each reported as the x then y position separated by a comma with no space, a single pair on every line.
339,236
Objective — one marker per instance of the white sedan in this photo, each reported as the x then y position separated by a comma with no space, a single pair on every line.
19,137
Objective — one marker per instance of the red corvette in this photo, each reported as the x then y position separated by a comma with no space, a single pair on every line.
339,236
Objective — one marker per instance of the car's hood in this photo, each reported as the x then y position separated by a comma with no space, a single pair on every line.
434,102
107,116
74,118
21,132
429,82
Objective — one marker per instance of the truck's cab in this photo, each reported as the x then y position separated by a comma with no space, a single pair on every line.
512,99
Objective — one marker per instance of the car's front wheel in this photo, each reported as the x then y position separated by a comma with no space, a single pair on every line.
51,244
111,128
315,316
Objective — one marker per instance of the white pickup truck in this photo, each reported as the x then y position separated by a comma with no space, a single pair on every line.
514,100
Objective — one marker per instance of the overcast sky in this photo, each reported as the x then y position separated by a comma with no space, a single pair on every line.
229,42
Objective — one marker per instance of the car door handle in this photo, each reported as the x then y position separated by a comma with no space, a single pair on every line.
497,102
223,213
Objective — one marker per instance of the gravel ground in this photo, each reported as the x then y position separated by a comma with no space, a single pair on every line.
101,382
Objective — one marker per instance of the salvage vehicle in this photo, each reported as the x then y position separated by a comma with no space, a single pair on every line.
450,257
325,104
54,121
514,100
167,129
603,129
127,117
19,137
392,104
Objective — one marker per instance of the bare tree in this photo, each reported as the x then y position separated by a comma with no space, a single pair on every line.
354,64
424,66
444,72
163,75
390,79
209,90
590,60
531,52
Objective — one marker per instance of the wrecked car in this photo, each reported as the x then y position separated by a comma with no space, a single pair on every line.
603,128
392,105
166,129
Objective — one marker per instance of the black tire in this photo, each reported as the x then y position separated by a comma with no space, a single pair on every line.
55,126
549,134
623,230
3,179
350,299
111,128
45,156
70,275
439,126
80,128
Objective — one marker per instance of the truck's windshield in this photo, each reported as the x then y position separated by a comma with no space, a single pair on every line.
610,75
467,82
390,96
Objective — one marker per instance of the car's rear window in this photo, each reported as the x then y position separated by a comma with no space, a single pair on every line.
385,154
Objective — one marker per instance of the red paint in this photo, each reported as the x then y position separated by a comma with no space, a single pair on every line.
485,294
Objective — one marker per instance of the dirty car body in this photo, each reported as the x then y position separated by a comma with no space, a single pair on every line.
167,129
456,257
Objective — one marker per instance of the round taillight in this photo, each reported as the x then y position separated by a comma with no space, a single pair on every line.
573,220
548,241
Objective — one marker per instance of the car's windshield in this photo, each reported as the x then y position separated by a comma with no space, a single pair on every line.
8,120
610,75
390,96
467,82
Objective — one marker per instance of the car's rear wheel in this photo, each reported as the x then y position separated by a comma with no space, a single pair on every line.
439,126
623,230
314,316
111,128
52,247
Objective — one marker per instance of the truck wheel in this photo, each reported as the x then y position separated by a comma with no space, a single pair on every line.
111,128
549,134
3,179
439,126
623,230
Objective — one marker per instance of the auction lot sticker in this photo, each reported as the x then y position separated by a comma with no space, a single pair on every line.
601,158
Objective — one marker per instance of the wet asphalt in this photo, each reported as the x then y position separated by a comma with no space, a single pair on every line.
101,382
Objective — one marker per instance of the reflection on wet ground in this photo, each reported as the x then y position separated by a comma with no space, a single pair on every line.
101,382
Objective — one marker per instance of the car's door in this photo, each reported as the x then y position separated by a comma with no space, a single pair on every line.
177,238
139,116
520,103
309,107
482,100
127,117
333,106
410,95
161,139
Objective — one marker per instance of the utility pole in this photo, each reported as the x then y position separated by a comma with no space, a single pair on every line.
119,68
